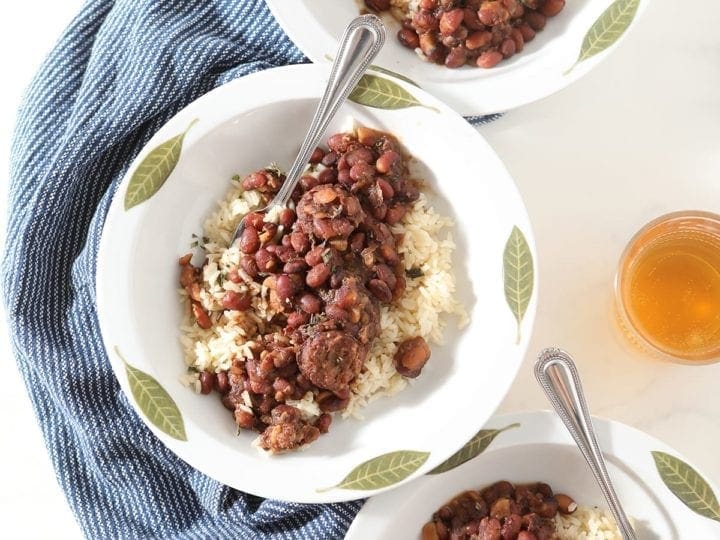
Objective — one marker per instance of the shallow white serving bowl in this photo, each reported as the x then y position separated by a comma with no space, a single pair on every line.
539,448
241,127
541,69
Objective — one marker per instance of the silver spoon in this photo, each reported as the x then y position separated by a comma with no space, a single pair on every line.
362,40
558,376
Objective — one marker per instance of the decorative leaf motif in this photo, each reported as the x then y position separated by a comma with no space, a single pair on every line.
474,447
154,169
518,275
382,471
687,485
154,401
607,29
382,93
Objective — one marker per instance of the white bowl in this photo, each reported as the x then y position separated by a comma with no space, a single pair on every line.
542,68
241,127
539,448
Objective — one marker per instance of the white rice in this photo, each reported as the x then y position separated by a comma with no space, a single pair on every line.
427,244
587,523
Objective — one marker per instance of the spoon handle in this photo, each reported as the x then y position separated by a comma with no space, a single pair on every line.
558,376
359,45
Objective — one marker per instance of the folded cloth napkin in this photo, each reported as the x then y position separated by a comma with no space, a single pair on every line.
120,71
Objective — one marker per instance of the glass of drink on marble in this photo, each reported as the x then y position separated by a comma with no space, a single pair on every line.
667,288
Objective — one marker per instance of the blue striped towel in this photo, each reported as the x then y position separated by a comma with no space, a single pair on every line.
120,71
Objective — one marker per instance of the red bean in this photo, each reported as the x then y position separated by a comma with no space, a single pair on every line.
327,176
493,13
386,188
254,181
249,240
471,19
427,4
456,57
517,37
284,287
207,380
340,142
424,21
378,5
287,217
527,33
489,59
450,21
408,38
249,265
552,7
314,256
535,20
265,260
342,164
399,287
285,254
318,275
300,242
380,289
236,301
367,136
202,318
310,303
395,213
295,266
478,40
332,403
222,383
384,273
507,48
379,212
244,419
361,154
411,356
308,182
330,159
362,171
286,241
255,219
317,155
386,161
234,276
323,423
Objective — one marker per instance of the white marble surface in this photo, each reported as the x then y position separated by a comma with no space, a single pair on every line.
638,137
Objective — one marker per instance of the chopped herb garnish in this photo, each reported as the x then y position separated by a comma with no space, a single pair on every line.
236,177
414,272
326,256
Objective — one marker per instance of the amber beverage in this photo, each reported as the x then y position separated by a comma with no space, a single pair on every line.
667,287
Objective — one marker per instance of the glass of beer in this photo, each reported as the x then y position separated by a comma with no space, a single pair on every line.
667,287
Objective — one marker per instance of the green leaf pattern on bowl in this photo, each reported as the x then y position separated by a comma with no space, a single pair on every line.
382,93
473,448
382,471
518,275
607,29
687,485
154,401
154,170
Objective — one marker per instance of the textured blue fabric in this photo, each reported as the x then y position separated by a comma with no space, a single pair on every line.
120,70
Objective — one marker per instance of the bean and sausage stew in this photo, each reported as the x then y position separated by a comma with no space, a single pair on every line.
327,263
474,32
501,511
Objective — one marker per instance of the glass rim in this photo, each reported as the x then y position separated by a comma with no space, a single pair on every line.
625,319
